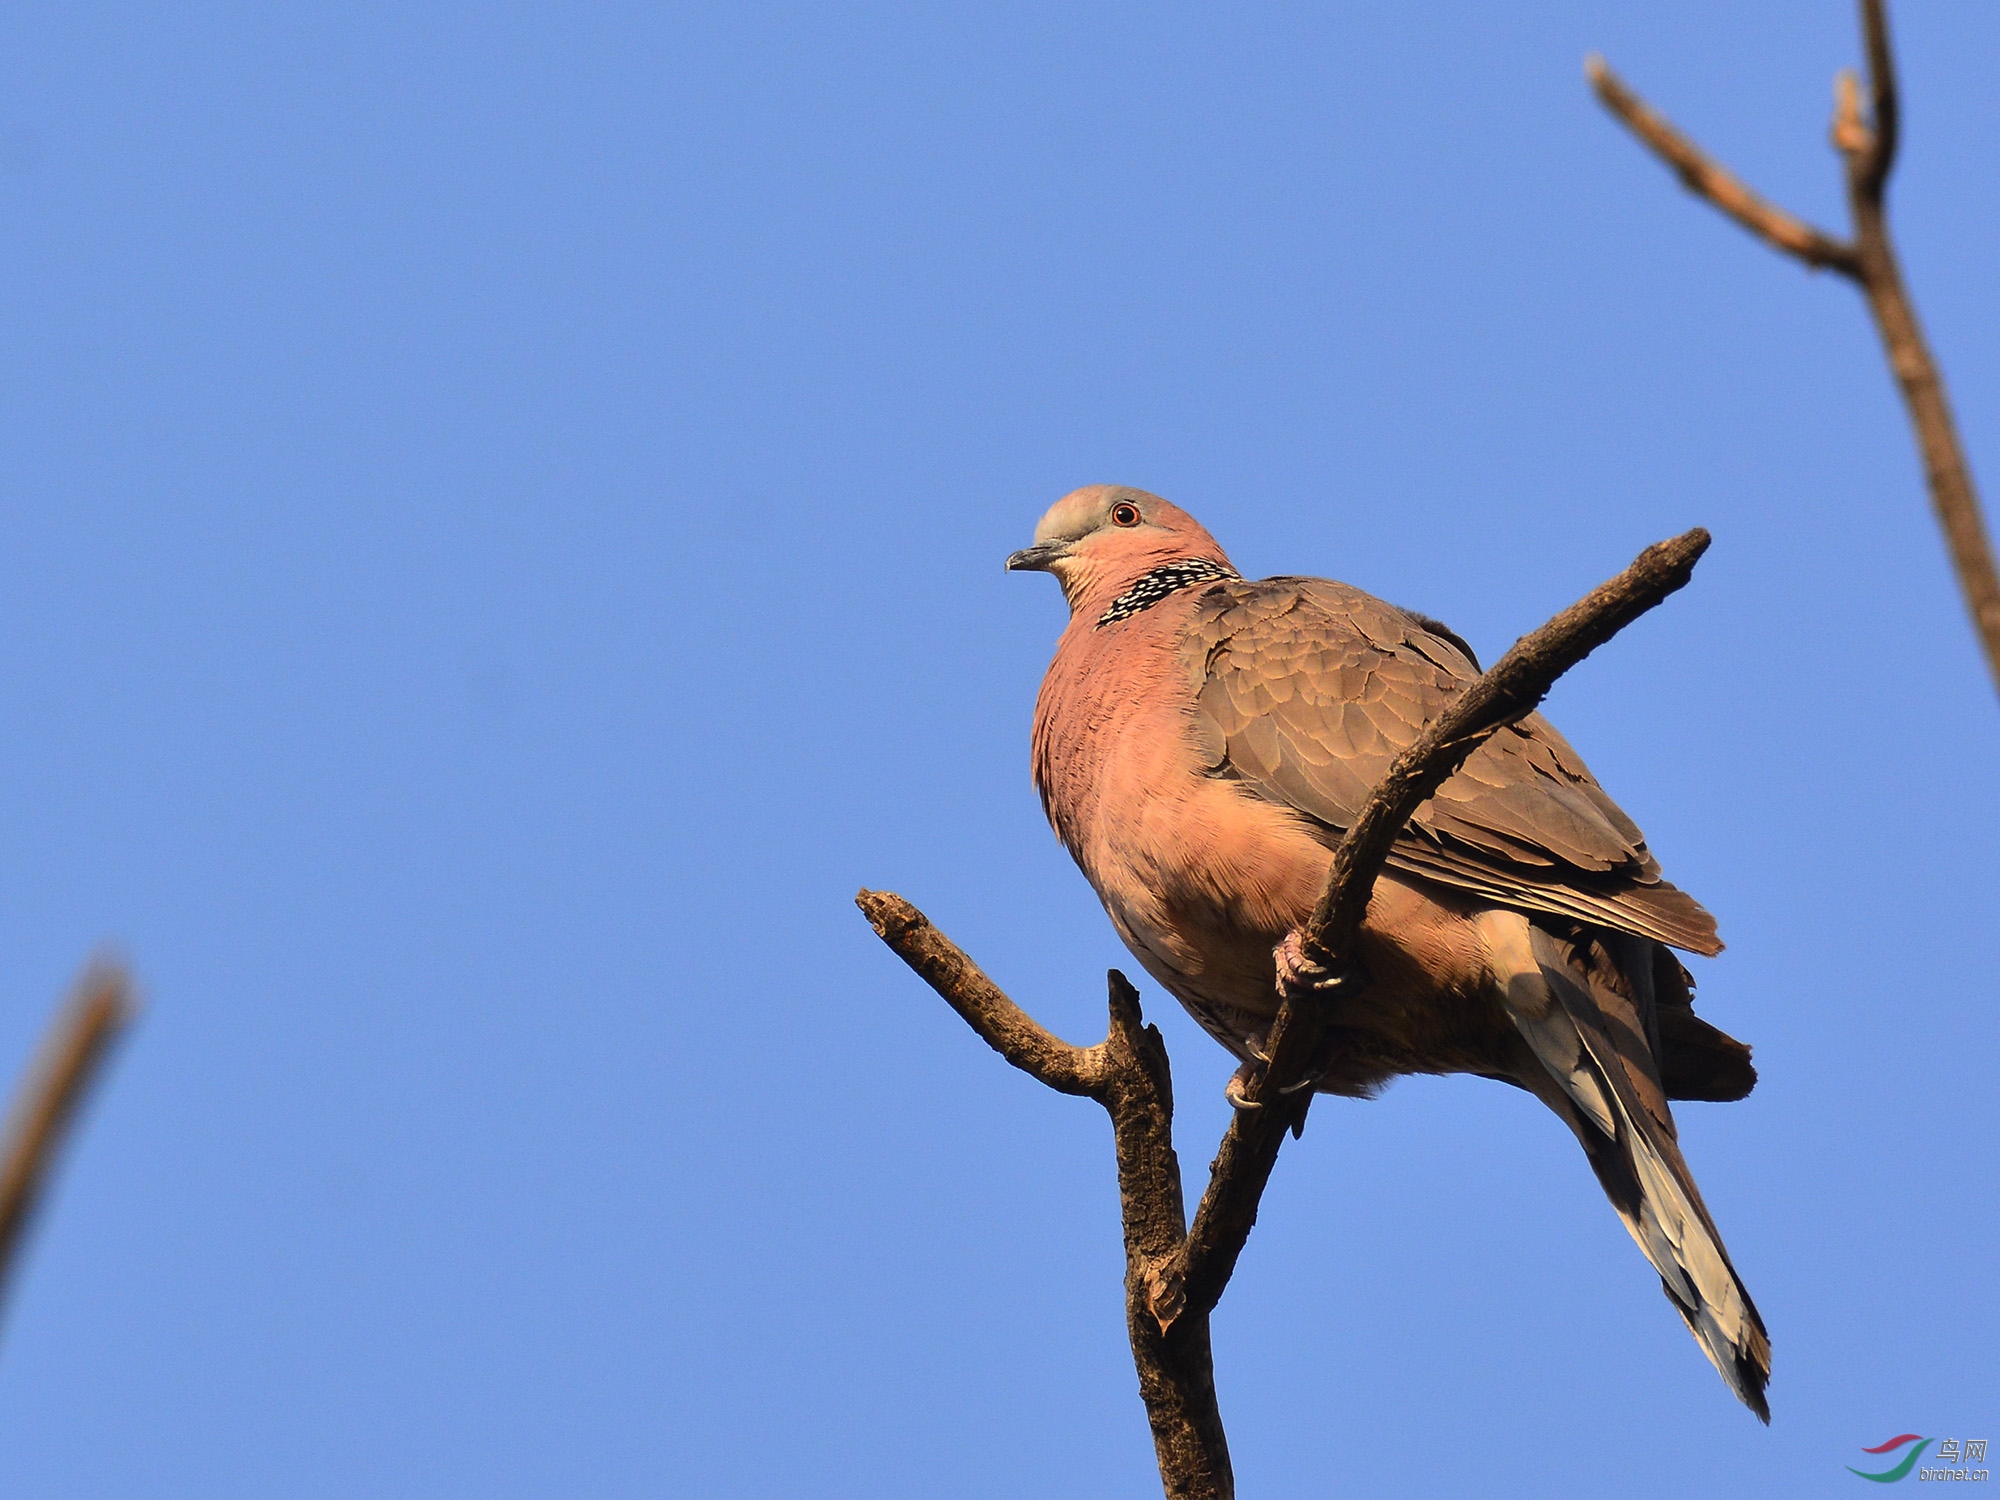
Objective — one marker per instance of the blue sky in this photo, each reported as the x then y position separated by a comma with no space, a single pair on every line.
500,527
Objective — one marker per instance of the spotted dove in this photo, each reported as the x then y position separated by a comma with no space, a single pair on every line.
1201,742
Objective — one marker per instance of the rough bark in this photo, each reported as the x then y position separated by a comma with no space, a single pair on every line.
1129,1075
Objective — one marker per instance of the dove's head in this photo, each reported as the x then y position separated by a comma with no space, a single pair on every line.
1103,538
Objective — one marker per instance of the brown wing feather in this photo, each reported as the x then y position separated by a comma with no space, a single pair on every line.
1305,690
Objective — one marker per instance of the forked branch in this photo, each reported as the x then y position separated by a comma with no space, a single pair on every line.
1711,180
1174,1274
1129,1075
1866,140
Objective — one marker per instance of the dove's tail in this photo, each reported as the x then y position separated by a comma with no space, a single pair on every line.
1585,1008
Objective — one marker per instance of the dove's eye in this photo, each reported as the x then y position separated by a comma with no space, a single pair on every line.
1124,513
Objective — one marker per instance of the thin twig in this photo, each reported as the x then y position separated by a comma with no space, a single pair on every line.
1715,182
1873,174
70,1057
1004,1026
1867,143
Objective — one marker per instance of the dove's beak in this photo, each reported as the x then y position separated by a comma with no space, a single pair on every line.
1039,558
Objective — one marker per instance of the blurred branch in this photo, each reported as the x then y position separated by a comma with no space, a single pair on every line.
1709,179
71,1055
1174,1275
1867,143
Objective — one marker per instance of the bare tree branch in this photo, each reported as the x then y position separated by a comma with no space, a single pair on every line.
1129,1075
72,1052
984,1006
1867,144
1872,170
1509,692
1715,182
1175,1275
1176,1366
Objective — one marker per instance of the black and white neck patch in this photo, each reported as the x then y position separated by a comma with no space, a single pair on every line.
1168,578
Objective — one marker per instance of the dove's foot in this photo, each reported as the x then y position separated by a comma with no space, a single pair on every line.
1301,974
1239,1081
1236,1091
